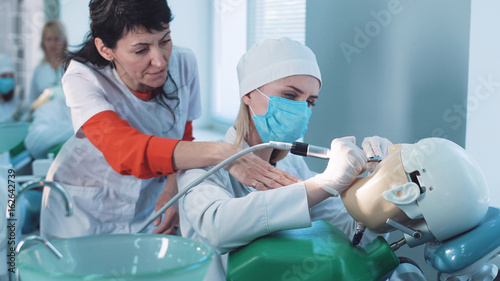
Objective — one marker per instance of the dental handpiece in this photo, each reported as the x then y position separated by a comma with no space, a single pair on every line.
305,149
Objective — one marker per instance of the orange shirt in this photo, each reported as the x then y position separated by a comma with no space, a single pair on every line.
127,150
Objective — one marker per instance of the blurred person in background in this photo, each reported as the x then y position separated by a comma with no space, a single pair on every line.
51,125
10,107
50,70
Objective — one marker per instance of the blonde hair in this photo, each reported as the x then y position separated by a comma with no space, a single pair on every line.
242,126
58,27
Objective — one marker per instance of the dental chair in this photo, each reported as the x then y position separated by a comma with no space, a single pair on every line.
431,191
466,256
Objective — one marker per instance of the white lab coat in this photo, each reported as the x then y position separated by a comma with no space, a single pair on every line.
226,214
105,201
44,77
51,126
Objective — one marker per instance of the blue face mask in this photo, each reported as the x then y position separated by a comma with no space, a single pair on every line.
6,85
285,120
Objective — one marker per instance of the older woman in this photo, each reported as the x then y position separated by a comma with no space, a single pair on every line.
279,84
133,96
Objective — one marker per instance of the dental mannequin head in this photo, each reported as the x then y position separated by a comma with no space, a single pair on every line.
432,186
279,82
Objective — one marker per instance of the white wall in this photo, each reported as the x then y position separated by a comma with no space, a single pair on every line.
33,22
8,8
192,28
75,17
28,40
483,115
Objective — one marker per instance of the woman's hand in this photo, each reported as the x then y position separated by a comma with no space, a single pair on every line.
248,169
347,161
170,223
375,146
251,170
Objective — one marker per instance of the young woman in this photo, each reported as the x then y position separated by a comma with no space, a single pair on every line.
279,84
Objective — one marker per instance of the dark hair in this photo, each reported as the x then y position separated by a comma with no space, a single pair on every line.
111,20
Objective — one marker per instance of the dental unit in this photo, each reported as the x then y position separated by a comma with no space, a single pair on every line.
415,190
431,191
435,194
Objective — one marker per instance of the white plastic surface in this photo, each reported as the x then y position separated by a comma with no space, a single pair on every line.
487,272
405,197
456,195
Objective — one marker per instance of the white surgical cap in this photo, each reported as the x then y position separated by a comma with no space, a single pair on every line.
6,65
273,59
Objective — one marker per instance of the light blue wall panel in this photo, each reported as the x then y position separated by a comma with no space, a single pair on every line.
397,69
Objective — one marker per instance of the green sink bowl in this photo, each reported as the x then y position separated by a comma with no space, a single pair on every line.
117,257
11,134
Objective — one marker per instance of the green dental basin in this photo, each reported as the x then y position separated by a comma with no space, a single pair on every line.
117,257
11,134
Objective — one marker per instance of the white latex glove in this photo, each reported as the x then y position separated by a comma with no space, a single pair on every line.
375,146
347,162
